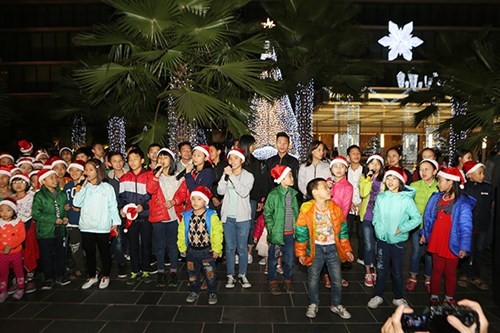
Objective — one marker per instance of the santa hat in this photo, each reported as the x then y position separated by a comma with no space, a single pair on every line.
471,166
44,173
24,160
202,192
78,164
25,146
5,170
168,151
33,173
205,150
15,170
22,176
3,155
375,157
341,160
453,174
37,165
399,173
279,173
39,155
55,161
65,148
131,214
237,152
9,202
433,162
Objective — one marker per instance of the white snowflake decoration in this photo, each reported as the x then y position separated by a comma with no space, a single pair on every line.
400,41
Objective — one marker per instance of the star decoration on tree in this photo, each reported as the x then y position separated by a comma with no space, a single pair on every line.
268,24
400,41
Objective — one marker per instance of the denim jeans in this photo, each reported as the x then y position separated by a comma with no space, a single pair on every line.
369,242
200,260
118,245
288,255
165,236
236,237
139,238
390,257
325,254
416,253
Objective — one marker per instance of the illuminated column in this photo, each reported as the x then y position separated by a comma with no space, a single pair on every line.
410,149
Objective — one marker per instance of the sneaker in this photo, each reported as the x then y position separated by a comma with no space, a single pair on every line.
480,284
360,261
172,281
250,258
375,302
30,287
13,287
312,309
18,294
400,301
345,283
274,288
212,298
236,259
134,278
230,282
427,284
341,311
90,282
122,271
262,262
63,281
47,285
463,281
193,296
153,268
266,270
450,301
279,269
327,282
244,281
160,280
168,264
435,301
104,282
3,297
126,256
368,280
411,284
146,278
289,287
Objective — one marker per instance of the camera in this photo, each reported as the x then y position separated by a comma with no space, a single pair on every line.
433,319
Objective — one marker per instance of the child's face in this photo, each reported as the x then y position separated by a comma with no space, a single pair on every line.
321,192
5,161
444,184
75,174
66,155
26,168
98,150
50,182
198,158
34,180
197,202
60,170
355,155
282,144
318,152
392,183
214,153
43,158
477,176
135,162
185,153
375,165
428,155
288,180
6,213
393,158
4,181
90,172
339,170
153,153
234,161
117,162
164,160
82,157
427,171
19,186
466,158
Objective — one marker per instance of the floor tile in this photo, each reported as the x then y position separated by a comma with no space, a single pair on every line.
158,313
30,310
296,315
69,296
74,326
232,299
253,314
20,325
8,308
71,311
310,328
122,312
363,328
150,298
178,298
205,314
219,328
124,327
114,297
275,300
174,328
254,328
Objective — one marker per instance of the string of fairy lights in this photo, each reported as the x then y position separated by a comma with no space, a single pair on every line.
117,134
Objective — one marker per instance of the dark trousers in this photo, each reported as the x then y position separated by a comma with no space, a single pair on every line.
90,241
118,245
165,236
471,265
75,248
390,259
52,257
353,221
139,239
198,260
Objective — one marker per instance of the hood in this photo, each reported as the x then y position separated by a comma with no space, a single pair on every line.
408,191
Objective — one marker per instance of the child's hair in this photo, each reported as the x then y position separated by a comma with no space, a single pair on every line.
429,149
458,154
381,173
455,190
246,141
282,135
111,154
353,147
96,143
184,143
172,164
313,185
136,151
83,150
100,169
313,146
153,145
396,149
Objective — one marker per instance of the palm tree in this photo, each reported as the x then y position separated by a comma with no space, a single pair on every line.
191,57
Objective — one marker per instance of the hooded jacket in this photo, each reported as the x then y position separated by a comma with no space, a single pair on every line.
158,212
341,193
395,211
44,213
274,213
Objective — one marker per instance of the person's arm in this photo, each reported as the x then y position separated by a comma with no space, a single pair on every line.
112,206
345,244
79,198
465,227
365,186
302,179
181,195
216,234
301,235
414,217
181,237
269,211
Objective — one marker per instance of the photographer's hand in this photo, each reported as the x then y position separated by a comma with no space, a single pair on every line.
483,322
393,323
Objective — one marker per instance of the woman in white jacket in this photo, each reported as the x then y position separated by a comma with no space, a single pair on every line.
315,166
98,217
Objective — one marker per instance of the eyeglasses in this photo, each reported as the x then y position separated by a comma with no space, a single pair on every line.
18,181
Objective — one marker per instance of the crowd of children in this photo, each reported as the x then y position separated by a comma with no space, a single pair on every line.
66,215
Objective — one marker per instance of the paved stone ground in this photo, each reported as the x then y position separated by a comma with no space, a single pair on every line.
145,308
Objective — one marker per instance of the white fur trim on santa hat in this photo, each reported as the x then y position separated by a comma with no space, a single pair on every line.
19,176
449,176
237,153
201,195
474,168
76,166
56,162
128,214
46,174
339,160
65,148
283,175
5,172
10,204
203,150
168,151
34,172
395,174
433,162
40,154
376,157
7,155
24,162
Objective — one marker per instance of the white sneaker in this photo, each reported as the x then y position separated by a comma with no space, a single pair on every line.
375,302
90,282
262,262
360,261
104,282
312,309
244,281
230,282
250,258
399,301
236,259
341,311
